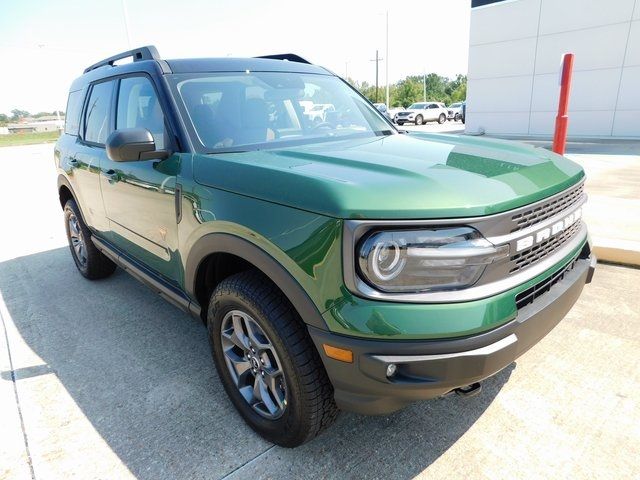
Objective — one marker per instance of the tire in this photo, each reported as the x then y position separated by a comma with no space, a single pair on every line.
295,404
91,262
400,123
442,118
457,117
419,120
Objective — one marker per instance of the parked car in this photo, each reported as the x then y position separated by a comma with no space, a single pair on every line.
382,108
454,111
422,112
343,265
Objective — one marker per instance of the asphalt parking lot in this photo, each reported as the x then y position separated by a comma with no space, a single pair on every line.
107,380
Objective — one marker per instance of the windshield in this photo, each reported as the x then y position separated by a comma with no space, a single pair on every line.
416,106
257,110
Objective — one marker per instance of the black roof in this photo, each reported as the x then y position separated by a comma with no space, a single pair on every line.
228,64
147,59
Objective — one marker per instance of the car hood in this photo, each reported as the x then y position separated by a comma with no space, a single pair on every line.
400,176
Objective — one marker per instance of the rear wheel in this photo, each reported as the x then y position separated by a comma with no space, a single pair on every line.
91,262
267,362
442,118
419,120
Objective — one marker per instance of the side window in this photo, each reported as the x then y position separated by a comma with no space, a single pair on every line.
72,116
138,107
96,118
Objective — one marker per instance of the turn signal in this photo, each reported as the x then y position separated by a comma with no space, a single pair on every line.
338,353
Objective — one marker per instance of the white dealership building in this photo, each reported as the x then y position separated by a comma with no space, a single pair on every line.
515,51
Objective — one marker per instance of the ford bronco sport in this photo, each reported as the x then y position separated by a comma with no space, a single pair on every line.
337,265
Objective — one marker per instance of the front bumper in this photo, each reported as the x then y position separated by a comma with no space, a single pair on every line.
429,369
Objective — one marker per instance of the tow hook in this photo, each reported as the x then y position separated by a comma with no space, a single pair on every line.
470,390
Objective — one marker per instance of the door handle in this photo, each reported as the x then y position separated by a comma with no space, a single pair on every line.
73,161
112,176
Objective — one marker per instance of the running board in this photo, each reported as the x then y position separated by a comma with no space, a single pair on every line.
171,294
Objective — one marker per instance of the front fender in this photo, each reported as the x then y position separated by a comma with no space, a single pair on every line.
231,244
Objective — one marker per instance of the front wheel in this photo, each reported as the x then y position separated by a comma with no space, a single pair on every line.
91,262
419,120
442,118
267,363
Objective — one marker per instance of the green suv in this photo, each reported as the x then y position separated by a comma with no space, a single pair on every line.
340,264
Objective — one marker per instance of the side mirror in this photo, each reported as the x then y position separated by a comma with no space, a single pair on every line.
133,144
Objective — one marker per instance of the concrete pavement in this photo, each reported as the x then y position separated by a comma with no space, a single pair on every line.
613,209
107,380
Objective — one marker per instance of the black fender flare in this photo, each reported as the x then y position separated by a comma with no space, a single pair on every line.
226,243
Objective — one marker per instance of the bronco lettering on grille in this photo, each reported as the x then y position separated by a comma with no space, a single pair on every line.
548,232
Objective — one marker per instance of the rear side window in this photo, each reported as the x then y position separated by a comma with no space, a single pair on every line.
96,118
72,116
138,107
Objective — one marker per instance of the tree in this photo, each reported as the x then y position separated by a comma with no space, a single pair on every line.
4,119
410,90
17,114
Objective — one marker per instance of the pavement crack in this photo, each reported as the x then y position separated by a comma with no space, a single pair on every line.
248,462
15,392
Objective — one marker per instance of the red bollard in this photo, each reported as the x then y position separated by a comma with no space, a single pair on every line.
562,120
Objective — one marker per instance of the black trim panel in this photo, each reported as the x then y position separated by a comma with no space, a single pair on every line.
481,3
226,243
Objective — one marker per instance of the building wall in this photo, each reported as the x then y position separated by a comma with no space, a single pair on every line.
515,51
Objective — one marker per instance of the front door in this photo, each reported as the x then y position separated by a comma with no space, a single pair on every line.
139,197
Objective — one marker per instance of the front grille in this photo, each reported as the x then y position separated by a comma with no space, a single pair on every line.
530,294
524,259
546,210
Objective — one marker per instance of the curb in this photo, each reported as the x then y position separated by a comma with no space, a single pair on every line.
625,252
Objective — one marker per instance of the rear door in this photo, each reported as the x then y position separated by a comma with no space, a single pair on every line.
433,111
139,197
95,127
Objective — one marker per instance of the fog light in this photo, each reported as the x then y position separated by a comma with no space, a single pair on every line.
391,369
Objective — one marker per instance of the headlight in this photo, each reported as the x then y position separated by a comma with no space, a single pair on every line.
425,260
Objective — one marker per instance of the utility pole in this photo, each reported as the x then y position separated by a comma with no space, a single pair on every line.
386,65
377,59
424,85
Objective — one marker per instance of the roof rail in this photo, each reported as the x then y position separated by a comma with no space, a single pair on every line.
143,53
291,57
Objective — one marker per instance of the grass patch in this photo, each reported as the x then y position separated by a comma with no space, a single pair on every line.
14,139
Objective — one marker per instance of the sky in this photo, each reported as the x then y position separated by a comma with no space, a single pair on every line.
45,44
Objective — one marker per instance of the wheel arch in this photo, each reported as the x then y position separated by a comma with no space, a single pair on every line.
213,246
66,193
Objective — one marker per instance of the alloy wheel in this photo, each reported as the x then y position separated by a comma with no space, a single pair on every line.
77,239
253,364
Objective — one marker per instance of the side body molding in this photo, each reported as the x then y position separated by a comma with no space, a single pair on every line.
226,243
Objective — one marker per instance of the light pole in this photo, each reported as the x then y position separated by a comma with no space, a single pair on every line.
126,21
386,65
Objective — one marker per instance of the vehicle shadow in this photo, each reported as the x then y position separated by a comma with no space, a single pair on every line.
141,373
